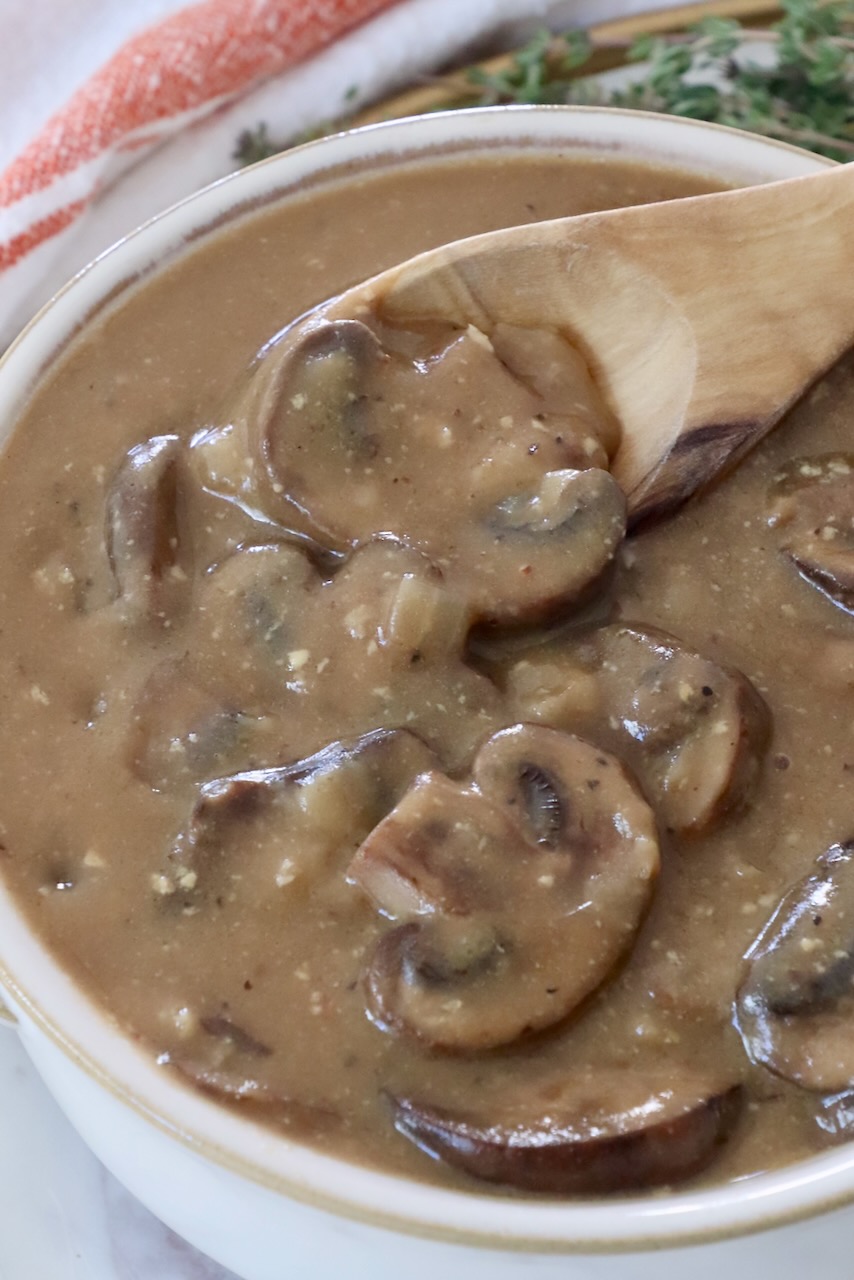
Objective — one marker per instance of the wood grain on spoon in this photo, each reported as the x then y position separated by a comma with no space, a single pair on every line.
702,319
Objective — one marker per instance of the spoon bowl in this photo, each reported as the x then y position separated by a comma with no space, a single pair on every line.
702,320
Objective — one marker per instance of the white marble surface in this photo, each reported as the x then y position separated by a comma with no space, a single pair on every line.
63,1217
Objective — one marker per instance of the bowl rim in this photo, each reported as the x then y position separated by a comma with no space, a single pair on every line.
47,1000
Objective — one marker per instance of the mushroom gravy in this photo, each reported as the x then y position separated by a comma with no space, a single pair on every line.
332,822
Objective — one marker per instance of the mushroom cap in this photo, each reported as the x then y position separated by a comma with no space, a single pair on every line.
179,731
514,896
222,1059
811,503
147,540
551,548
500,478
795,1007
693,731
306,815
246,623
587,1133
381,642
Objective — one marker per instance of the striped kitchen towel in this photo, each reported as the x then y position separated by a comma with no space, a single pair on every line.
113,110
112,88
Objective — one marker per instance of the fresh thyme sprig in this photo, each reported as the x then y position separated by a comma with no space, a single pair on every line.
802,92
256,144
794,80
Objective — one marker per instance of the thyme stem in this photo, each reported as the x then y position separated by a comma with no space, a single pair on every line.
803,94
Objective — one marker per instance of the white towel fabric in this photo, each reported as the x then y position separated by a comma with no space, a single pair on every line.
51,49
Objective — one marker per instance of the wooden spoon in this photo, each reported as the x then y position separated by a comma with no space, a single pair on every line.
702,319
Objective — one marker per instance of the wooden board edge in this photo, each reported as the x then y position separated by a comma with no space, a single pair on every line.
609,41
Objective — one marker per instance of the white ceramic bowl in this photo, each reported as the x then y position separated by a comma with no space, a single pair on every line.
246,1196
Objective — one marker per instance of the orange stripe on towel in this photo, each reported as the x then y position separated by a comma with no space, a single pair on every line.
209,51
13,250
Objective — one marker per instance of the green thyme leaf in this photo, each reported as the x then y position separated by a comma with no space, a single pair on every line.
794,80
255,144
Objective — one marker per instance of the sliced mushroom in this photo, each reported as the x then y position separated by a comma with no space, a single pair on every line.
248,622
378,643
221,1058
147,542
301,401
297,818
398,630
587,1133
451,454
795,1008
179,732
393,595
694,732
812,503
550,548
698,731
322,422
515,896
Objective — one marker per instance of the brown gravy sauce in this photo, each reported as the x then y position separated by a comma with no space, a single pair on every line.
212,920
